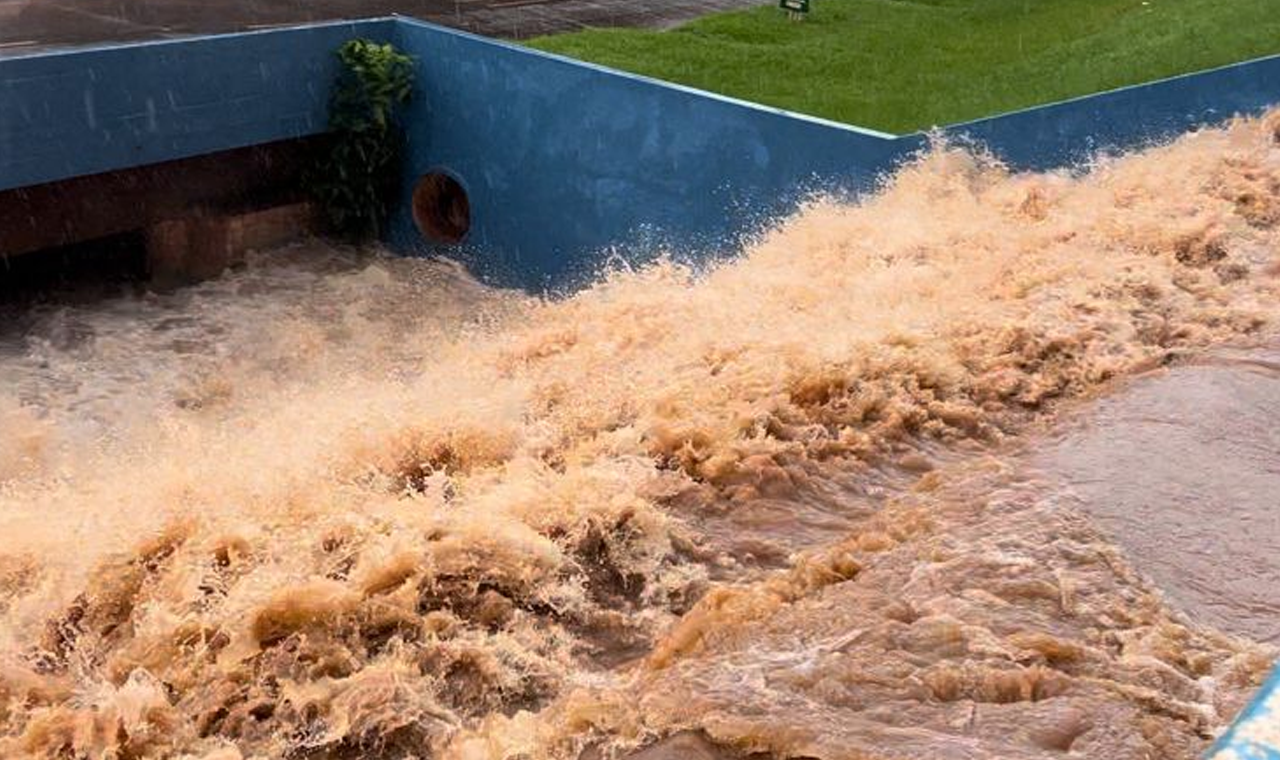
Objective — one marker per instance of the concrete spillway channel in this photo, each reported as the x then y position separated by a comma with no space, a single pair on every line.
192,150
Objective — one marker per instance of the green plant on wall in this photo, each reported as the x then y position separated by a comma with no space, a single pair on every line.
357,175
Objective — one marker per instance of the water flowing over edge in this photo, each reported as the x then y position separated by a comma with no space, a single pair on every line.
377,510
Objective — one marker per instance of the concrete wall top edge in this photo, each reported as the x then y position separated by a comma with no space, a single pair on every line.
391,22
1071,133
560,159
867,131
384,23
1115,91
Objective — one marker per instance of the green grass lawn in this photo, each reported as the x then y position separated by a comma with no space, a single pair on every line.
903,65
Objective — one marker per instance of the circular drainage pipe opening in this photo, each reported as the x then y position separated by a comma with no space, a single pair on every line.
441,209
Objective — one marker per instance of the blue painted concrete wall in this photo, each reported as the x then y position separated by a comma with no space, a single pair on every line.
563,161
94,110
565,164
1066,133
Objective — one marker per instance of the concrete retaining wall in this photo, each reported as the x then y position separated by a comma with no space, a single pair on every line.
94,110
564,163
1066,133
568,164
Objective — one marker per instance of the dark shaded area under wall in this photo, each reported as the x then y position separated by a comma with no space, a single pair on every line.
30,24
100,205
165,223
80,272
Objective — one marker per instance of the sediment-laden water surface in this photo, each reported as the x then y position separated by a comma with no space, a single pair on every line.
836,498
1182,469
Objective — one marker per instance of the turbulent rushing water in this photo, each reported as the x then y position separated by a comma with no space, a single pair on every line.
814,502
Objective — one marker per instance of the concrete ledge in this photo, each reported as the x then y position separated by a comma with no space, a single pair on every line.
86,208
182,251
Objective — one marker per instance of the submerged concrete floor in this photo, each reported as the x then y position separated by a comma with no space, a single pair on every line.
31,24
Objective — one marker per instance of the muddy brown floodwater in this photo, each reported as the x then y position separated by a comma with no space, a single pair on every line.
976,468
1183,470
